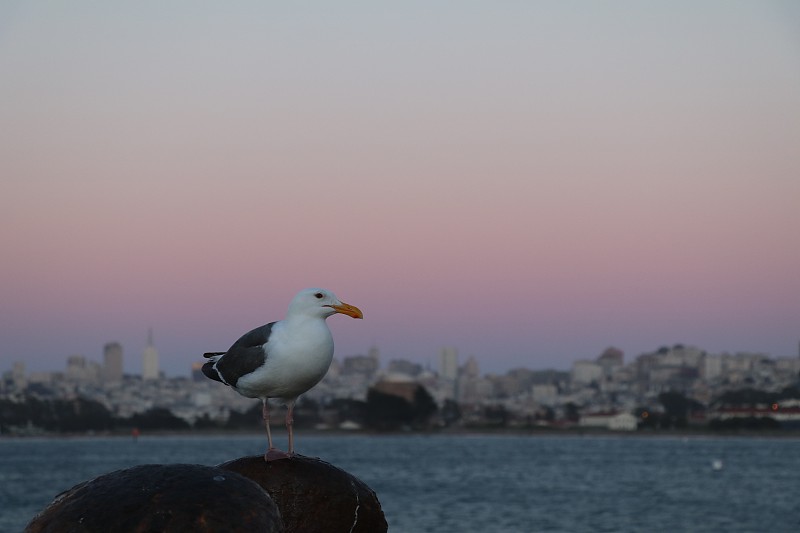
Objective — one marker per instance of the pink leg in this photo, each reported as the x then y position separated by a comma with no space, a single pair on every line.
272,452
289,424
265,415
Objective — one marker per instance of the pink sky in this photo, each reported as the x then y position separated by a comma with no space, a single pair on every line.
527,183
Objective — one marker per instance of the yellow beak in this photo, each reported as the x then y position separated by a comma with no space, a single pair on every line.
349,310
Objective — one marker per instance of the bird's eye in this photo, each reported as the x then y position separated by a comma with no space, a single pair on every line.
319,295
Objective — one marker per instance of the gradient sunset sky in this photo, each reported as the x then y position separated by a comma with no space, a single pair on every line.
529,182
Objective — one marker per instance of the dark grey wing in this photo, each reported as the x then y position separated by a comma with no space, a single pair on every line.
246,355
254,337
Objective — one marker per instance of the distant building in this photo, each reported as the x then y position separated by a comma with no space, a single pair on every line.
448,373
610,360
403,366
586,372
375,354
788,364
474,390
150,359
609,420
112,362
76,366
470,385
46,378
365,365
623,422
448,363
471,369
544,394
712,367
81,370
18,377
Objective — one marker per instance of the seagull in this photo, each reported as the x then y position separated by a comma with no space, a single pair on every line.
282,359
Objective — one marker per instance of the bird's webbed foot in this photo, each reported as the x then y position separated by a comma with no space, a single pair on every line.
274,454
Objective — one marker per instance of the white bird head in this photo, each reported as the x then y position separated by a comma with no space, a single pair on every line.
321,303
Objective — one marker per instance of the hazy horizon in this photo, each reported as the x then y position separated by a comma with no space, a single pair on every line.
527,182
133,361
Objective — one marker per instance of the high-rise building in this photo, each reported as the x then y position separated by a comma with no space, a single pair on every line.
150,359
448,372
112,362
448,363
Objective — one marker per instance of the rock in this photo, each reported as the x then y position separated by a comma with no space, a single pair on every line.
314,496
161,498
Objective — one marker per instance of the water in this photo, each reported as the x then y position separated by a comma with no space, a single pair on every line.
476,483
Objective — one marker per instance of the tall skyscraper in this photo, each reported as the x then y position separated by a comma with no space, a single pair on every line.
448,372
112,362
448,363
150,359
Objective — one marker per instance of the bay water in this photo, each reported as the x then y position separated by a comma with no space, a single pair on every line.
475,483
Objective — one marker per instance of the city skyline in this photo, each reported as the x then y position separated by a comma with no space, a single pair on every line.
447,361
529,183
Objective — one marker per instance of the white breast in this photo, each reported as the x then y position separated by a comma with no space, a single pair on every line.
299,354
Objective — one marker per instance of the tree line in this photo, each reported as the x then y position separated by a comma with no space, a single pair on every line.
379,412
